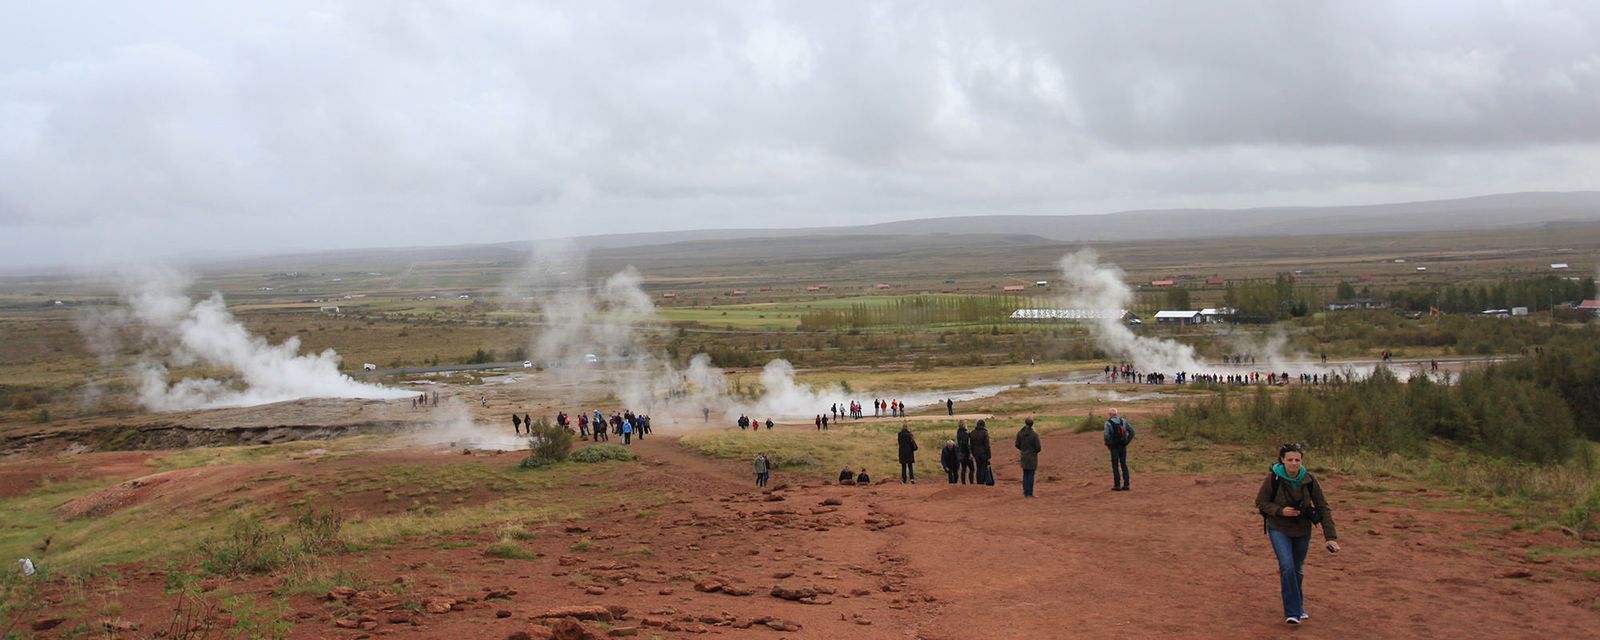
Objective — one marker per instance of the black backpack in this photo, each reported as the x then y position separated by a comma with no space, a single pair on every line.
1307,510
1119,433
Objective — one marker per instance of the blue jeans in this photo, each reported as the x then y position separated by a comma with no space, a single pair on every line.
907,473
1119,466
1291,554
1027,481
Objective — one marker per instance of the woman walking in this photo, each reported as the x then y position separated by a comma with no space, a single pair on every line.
908,455
1291,502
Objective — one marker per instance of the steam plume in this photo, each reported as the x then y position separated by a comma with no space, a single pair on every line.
1100,288
187,333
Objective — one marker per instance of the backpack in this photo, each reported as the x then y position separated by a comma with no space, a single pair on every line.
1119,433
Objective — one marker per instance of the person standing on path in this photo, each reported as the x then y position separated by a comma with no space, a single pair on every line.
1291,503
1028,444
980,454
950,459
1118,434
949,406
908,455
964,454
763,470
627,432
516,424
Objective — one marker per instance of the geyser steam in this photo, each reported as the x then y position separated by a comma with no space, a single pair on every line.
1100,288
187,333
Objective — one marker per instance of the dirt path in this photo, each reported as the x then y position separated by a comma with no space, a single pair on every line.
1185,556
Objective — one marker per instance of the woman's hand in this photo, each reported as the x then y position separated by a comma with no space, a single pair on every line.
1290,512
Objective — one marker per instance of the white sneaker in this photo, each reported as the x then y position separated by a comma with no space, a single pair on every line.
1304,615
1292,620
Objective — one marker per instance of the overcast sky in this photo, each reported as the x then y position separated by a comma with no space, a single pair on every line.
134,130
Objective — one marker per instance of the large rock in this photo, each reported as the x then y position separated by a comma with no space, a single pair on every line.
437,605
580,612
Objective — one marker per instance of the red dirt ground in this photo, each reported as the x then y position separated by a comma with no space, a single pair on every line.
1180,556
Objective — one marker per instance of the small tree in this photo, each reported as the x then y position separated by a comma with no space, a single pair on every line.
548,444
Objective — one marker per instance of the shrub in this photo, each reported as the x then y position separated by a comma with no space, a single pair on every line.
602,453
509,550
250,547
548,444
319,531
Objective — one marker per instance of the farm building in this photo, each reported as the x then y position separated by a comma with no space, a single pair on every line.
1361,303
1014,287
1558,265
1162,283
1218,314
1179,317
1592,306
669,294
1215,282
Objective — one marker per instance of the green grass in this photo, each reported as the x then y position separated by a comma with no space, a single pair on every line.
873,446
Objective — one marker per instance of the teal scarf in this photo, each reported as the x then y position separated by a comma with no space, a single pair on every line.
1293,482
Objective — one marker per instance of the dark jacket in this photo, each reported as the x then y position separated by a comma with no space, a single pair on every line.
1028,444
908,447
963,443
846,475
1274,496
980,443
1111,432
950,458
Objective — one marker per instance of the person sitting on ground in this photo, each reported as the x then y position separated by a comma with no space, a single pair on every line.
861,478
846,474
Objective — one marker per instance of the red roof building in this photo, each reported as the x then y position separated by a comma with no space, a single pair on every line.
1162,283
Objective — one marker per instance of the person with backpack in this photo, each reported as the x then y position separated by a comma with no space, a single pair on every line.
908,455
964,452
950,459
1028,445
1291,503
516,424
980,454
1118,433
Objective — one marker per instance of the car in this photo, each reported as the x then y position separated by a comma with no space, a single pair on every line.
591,358
1135,321
368,366
527,364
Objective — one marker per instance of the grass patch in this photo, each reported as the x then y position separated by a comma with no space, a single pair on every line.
603,453
509,550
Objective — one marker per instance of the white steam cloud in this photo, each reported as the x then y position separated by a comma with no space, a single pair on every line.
1100,288
187,333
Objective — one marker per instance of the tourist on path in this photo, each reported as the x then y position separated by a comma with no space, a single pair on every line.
950,459
1118,433
964,451
908,455
1291,503
763,470
1028,444
980,454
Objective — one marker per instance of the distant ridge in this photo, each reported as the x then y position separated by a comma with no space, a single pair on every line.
1509,210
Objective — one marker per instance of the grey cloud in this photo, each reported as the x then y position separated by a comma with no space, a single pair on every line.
325,124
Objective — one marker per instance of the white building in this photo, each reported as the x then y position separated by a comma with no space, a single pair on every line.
1179,317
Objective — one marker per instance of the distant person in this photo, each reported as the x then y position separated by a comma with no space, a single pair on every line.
705,414
762,470
627,432
818,421
964,453
1118,433
769,424
1028,444
847,474
1291,502
949,406
516,424
527,422
980,454
824,422
862,479
908,455
950,459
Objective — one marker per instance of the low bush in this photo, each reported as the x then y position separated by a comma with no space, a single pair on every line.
603,453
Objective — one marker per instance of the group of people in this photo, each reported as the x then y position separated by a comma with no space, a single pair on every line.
422,400
626,425
746,422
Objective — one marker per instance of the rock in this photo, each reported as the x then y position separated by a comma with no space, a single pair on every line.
595,590
341,593
580,612
347,624
617,611
832,502
773,498
437,605
46,624
793,593
623,632
399,618
736,590
535,632
567,561
576,528
778,624
783,574
709,585
859,592
666,591
569,629
1517,574
502,614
